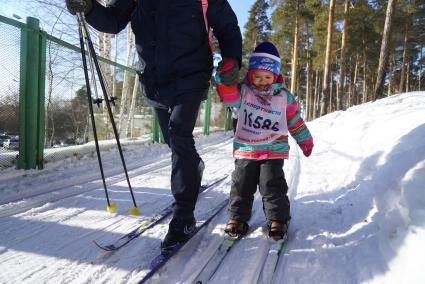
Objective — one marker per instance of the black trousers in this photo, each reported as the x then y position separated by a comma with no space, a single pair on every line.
177,124
269,176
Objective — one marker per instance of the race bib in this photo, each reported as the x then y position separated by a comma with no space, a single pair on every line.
261,119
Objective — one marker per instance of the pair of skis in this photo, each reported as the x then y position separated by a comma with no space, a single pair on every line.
86,42
119,243
268,268
204,276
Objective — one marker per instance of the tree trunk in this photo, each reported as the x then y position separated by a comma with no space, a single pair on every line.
408,77
403,69
340,92
309,89
355,96
294,66
49,111
107,54
309,79
331,89
106,72
114,76
383,56
316,94
390,78
365,72
420,74
350,86
328,61
130,122
126,83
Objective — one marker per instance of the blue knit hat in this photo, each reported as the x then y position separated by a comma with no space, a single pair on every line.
265,57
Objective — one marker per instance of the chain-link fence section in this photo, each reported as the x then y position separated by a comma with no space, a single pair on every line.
9,94
67,118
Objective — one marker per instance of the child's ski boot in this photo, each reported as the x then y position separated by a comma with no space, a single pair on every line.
277,230
236,228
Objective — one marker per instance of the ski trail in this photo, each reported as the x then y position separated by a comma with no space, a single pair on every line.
65,189
72,223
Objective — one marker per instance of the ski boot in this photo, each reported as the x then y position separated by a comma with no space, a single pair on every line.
277,230
235,228
179,231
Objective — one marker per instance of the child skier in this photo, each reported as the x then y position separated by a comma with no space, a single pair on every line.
267,112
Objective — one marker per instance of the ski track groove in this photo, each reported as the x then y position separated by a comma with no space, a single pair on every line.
50,211
95,183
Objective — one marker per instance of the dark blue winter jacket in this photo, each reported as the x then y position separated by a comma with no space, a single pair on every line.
172,42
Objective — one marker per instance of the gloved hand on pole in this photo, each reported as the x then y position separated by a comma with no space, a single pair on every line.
79,6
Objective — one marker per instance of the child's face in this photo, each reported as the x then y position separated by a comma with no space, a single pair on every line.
262,79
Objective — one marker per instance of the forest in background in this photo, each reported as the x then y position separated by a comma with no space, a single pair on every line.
339,53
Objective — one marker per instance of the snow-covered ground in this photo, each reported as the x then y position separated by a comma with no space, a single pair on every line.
358,209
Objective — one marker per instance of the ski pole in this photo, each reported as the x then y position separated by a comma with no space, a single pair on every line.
111,206
92,53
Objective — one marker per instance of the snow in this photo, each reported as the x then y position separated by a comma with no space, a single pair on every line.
357,206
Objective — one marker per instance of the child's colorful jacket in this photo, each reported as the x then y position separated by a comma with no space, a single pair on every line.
264,120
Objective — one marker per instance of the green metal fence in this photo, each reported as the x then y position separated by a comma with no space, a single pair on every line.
43,104
10,50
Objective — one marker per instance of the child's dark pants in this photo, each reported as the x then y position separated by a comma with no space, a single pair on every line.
269,176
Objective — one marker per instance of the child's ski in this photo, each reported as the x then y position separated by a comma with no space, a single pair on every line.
269,266
162,258
217,258
119,243
209,269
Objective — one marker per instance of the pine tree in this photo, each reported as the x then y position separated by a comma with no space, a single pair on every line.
340,92
383,58
257,29
324,99
365,25
283,24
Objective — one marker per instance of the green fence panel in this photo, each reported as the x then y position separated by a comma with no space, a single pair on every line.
10,50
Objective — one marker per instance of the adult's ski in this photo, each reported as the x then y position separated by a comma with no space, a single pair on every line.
269,265
151,222
162,258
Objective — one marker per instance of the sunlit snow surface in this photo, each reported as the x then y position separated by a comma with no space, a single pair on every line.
357,206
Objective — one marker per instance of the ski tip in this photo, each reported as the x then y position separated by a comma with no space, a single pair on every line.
134,211
101,247
111,208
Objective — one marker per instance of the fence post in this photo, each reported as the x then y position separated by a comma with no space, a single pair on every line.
160,134
156,130
207,115
31,96
41,102
227,119
154,126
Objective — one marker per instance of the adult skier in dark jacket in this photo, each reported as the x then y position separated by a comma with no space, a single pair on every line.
176,66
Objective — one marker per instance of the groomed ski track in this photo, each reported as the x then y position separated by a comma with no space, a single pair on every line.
78,260
357,210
